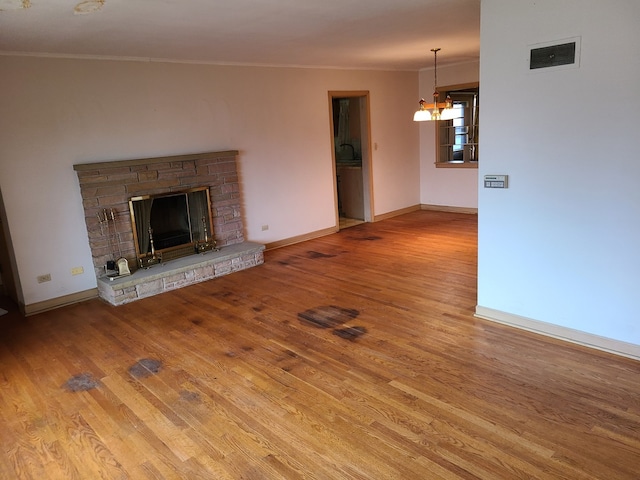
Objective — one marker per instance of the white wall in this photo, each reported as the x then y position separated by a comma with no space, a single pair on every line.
456,187
560,245
59,112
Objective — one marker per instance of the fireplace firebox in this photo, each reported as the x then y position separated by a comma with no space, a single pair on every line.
172,225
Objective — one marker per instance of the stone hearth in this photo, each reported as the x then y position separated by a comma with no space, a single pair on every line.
108,186
180,272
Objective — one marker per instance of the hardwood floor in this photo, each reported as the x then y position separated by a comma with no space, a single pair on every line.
345,222
353,356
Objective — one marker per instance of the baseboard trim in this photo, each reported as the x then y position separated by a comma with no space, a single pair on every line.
585,339
328,231
39,307
301,238
396,213
444,208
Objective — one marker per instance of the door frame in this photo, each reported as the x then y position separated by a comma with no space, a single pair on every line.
365,143
10,281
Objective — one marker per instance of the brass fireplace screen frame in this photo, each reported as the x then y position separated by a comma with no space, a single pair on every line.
197,207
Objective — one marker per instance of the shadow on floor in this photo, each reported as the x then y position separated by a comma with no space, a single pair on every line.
7,305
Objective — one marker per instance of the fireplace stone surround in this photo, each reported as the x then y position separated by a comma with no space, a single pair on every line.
108,186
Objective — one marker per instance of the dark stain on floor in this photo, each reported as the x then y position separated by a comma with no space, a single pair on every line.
145,368
197,321
370,238
331,316
328,316
288,360
188,396
290,260
350,333
81,383
222,294
313,254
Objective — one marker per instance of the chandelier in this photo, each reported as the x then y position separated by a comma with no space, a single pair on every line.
431,111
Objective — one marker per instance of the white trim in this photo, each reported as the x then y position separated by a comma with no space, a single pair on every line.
590,340
77,56
445,208
395,213
39,307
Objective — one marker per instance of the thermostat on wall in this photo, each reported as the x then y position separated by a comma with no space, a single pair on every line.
496,181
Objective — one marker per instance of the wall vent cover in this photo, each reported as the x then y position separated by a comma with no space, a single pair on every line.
552,56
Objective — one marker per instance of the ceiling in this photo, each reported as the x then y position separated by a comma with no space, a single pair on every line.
360,34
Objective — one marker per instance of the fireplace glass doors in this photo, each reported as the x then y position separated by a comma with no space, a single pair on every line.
171,225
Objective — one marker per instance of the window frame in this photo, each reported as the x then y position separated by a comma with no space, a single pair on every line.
451,90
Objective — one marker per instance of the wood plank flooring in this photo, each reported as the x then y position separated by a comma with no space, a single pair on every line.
353,356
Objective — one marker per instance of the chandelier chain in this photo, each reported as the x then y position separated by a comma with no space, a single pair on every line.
435,68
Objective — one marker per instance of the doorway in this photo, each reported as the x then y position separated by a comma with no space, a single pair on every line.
8,282
351,150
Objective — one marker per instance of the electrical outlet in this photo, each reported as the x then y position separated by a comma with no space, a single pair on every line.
265,227
77,270
44,278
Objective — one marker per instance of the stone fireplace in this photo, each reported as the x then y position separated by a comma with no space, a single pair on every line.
108,187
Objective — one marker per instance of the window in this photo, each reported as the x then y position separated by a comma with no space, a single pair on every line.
457,139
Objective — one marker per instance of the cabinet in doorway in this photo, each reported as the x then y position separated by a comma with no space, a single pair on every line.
350,190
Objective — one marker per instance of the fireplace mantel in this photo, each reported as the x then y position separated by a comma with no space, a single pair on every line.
106,187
